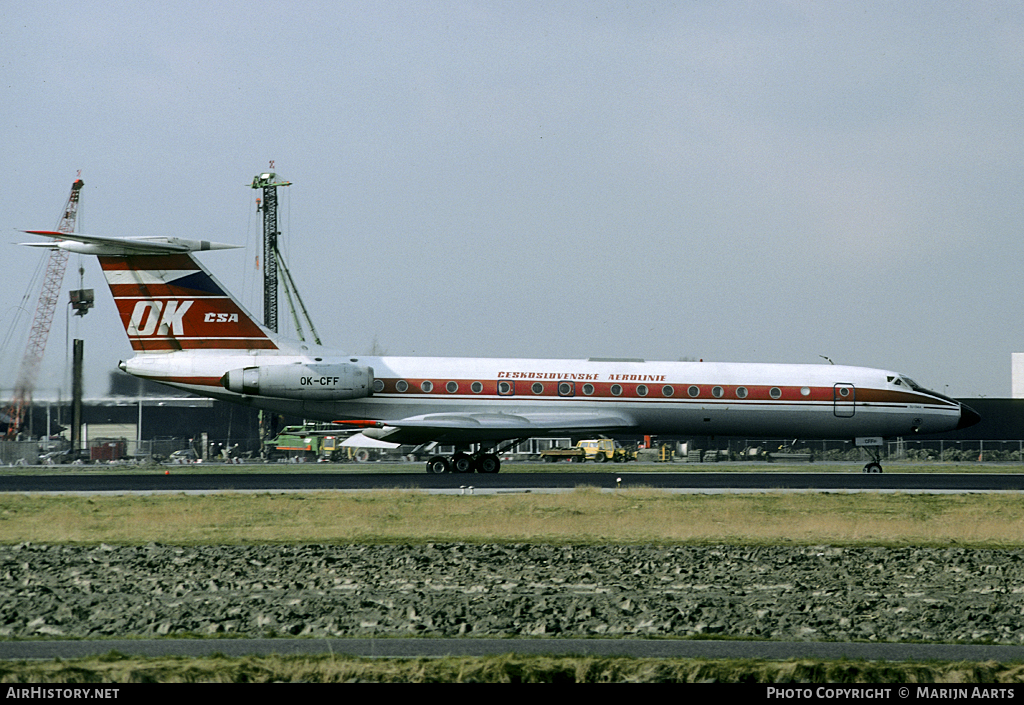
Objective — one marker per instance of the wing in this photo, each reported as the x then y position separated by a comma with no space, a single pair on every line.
482,428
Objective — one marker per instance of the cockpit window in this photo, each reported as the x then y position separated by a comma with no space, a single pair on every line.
904,381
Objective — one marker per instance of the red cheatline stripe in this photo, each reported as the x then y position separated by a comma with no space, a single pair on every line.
756,394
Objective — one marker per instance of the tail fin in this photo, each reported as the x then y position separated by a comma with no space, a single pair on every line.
170,302
166,299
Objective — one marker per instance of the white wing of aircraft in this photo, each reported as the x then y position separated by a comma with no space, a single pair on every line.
189,332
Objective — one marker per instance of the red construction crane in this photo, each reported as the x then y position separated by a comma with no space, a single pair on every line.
45,308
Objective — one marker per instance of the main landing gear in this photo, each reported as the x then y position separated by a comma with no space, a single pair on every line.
463,463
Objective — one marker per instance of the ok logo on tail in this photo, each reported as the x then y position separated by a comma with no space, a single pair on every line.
158,317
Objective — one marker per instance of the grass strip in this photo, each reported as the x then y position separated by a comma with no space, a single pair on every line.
584,516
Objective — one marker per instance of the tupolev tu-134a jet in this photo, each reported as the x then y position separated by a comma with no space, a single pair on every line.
188,332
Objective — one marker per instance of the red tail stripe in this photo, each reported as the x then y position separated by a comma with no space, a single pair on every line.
150,345
152,291
155,262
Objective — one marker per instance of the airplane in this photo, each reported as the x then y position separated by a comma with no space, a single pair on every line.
189,332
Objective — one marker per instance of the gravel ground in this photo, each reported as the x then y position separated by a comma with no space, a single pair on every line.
802,593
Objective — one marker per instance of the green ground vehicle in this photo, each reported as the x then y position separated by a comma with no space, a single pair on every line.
305,443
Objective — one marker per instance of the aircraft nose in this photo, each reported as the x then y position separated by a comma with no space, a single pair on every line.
968,417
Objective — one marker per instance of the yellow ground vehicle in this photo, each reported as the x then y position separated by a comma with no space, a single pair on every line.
598,450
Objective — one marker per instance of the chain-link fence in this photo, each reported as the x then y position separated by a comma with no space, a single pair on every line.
188,450
899,449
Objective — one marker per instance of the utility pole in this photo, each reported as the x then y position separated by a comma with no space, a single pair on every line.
77,363
269,181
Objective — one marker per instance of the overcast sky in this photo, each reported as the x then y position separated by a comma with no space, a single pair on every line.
734,181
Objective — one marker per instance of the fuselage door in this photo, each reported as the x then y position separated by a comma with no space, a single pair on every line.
844,398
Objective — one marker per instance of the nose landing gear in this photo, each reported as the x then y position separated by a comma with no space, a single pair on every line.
875,465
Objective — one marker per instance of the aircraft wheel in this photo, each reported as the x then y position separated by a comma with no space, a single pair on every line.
438,465
462,462
873,467
489,463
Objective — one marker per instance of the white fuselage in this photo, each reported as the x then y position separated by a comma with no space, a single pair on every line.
684,398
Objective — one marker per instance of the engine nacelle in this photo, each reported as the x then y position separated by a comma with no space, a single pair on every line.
307,382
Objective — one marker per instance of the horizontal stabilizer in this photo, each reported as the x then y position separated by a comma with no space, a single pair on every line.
122,246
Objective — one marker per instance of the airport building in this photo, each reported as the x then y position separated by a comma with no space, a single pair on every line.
1017,375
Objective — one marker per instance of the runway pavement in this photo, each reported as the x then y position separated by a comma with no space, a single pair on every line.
432,648
157,481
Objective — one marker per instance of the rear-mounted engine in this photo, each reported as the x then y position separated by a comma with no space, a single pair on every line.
308,382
